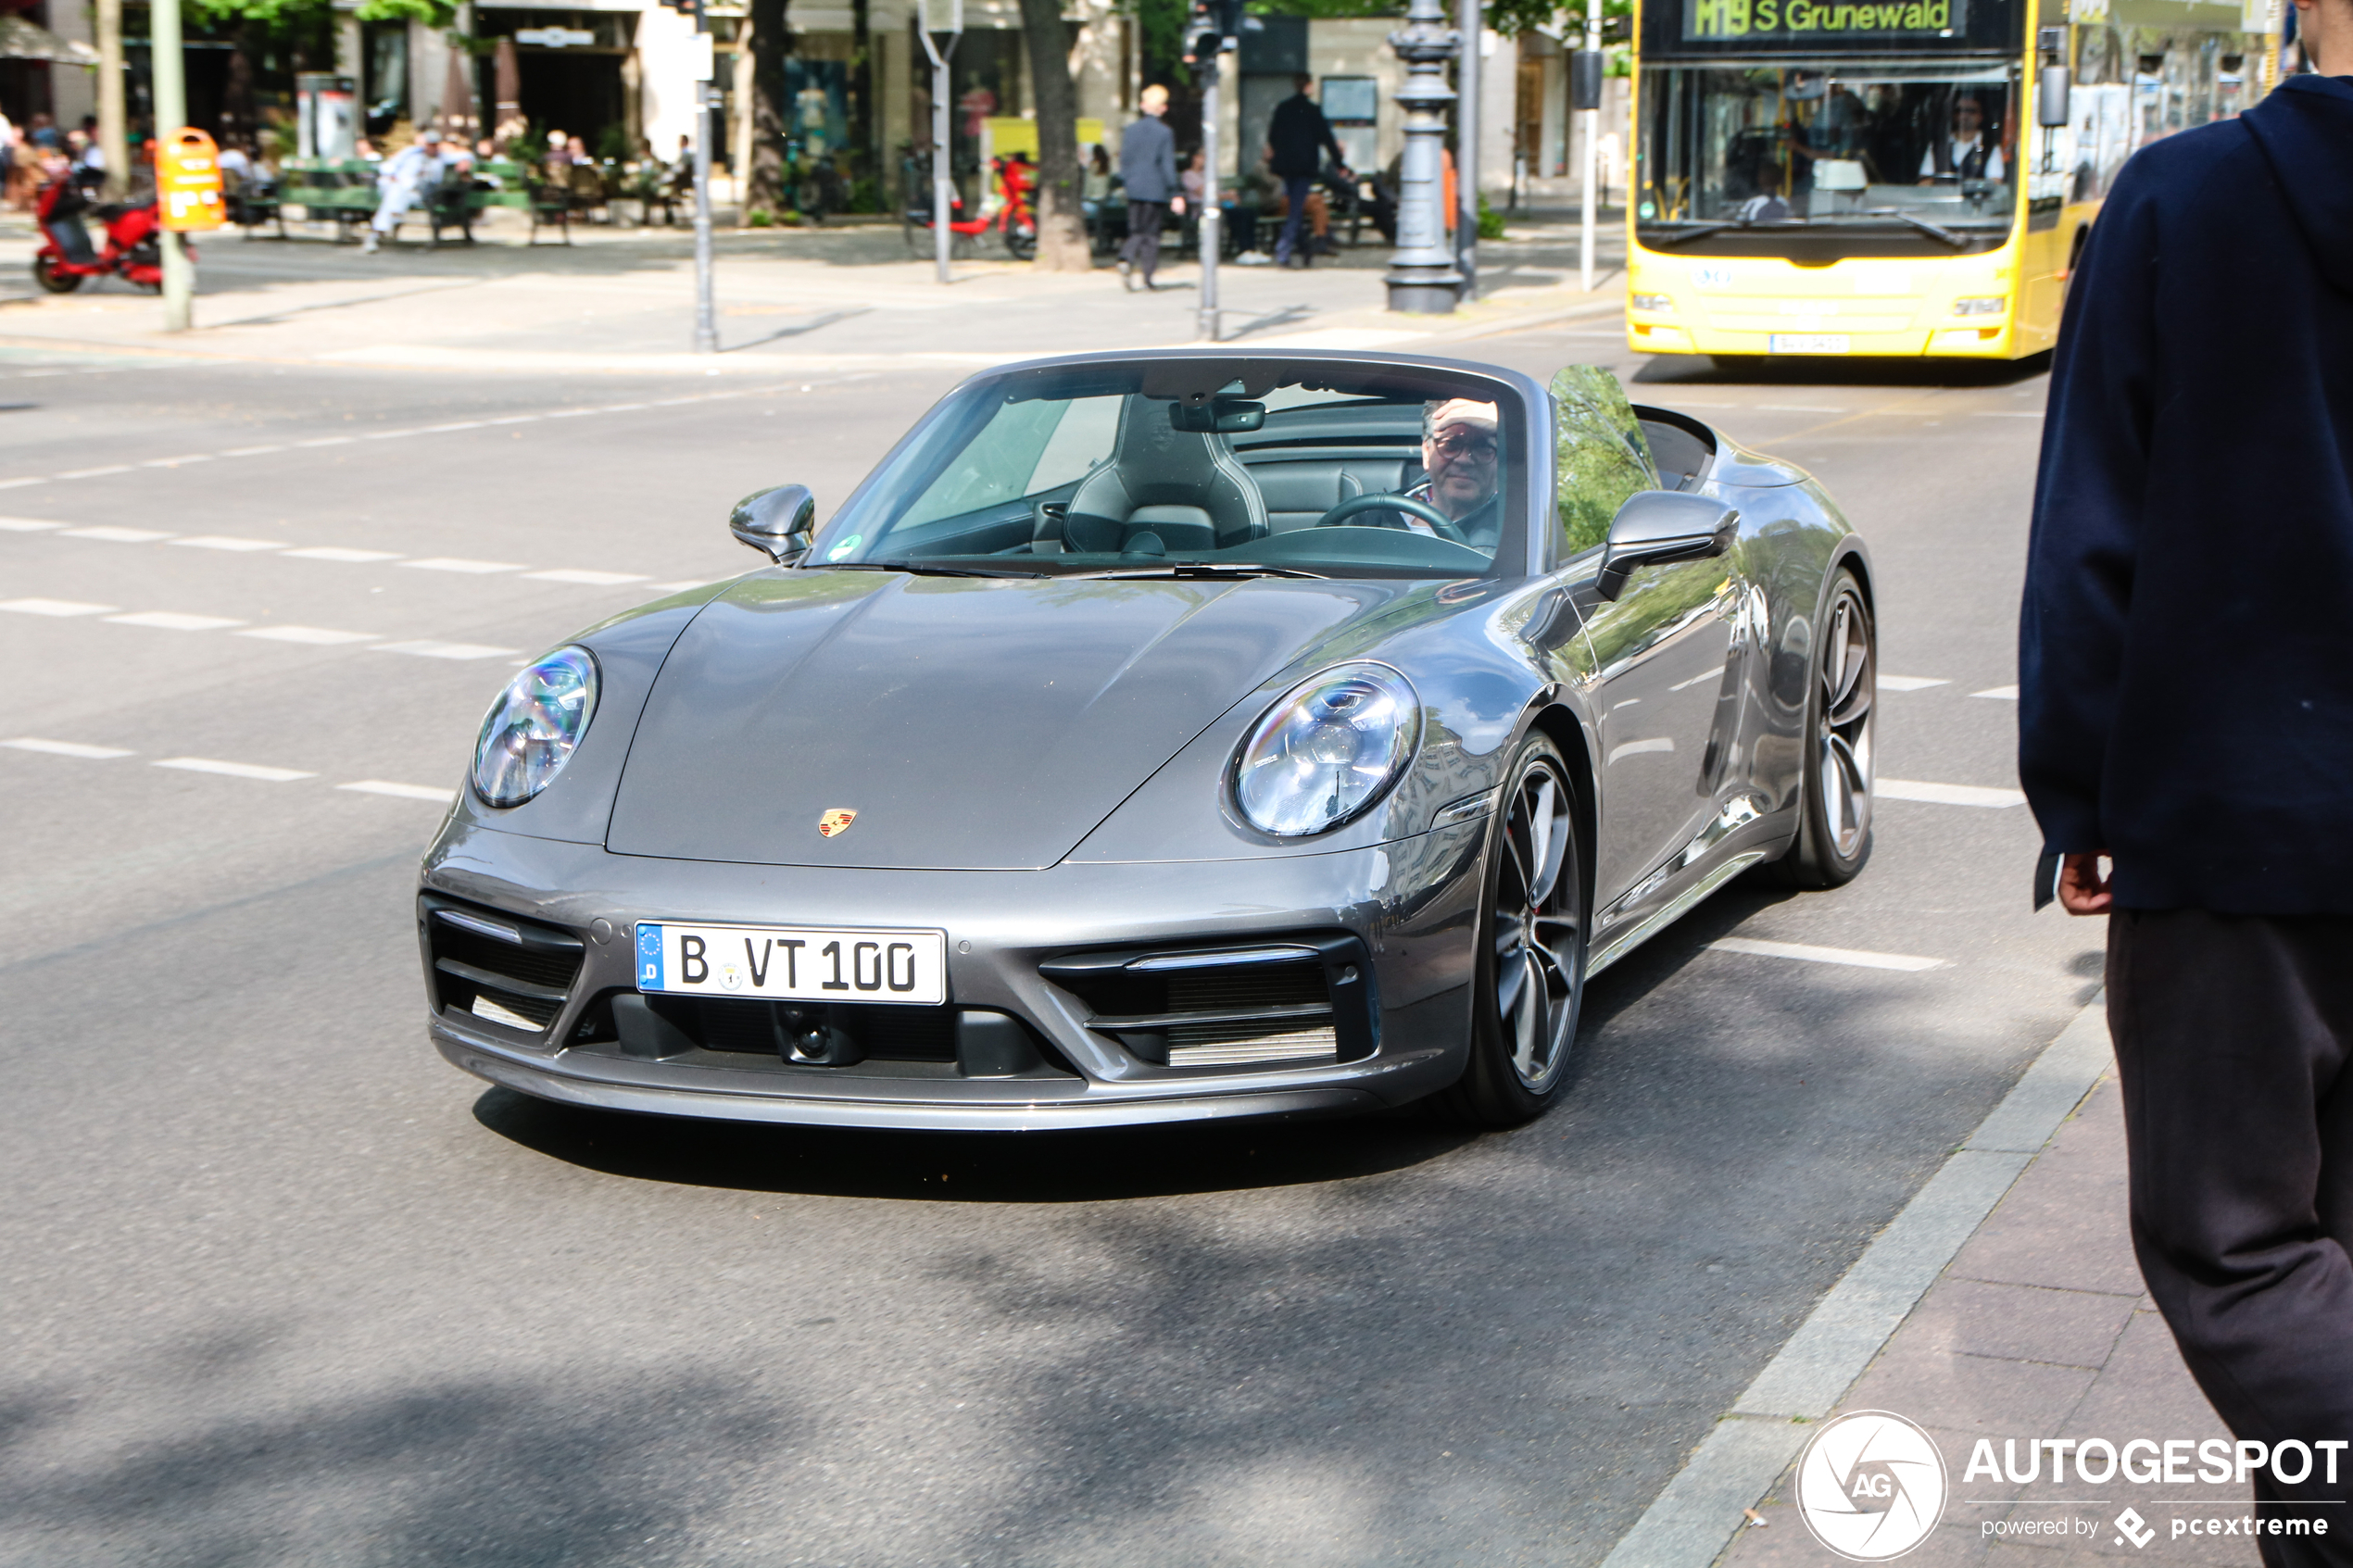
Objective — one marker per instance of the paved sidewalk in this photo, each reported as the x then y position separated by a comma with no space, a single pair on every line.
2038,1328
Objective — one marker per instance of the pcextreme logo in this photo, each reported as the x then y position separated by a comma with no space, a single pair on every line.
1871,1487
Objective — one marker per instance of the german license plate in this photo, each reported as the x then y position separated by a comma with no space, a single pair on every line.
793,963
1808,343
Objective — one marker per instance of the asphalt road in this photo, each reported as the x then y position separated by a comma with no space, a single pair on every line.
283,1287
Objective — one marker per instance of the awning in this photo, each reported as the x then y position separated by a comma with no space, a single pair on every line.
21,40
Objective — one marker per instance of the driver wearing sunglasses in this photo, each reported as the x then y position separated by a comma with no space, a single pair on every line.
1459,467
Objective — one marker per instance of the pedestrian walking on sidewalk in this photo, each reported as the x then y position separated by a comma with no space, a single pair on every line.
1148,169
1297,138
2186,741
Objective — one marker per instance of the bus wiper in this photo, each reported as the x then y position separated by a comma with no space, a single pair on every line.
1697,231
917,569
1957,240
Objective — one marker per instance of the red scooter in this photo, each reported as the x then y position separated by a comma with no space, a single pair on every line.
134,247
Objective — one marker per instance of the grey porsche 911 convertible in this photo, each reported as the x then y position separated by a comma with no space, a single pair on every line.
1165,736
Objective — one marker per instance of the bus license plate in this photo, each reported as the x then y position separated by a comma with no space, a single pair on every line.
1809,343
793,963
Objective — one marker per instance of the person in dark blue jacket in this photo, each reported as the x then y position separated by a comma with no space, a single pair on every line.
1148,172
2187,736
1297,138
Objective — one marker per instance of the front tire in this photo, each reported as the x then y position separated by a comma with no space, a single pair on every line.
1834,803
1530,966
44,272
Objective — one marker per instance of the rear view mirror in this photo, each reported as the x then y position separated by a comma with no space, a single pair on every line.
778,522
2050,97
1224,415
1657,526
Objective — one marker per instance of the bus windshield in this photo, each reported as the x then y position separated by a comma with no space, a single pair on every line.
1851,157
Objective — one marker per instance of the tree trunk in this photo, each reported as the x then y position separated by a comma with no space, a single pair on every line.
763,183
1061,222
866,161
113,138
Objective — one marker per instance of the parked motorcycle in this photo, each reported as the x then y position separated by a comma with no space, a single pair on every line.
133,250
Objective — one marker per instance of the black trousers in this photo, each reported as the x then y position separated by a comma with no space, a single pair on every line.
1144,219
2232,1038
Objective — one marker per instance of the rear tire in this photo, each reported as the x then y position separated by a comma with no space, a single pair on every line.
1834,803
1530,980
51,279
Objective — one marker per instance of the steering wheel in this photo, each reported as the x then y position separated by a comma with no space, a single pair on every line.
1378,502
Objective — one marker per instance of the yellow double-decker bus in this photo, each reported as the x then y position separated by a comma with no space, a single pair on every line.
1899,177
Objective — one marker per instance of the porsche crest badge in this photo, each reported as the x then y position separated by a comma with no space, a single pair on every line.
835,820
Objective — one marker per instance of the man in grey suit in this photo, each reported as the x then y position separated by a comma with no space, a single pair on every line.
1148,169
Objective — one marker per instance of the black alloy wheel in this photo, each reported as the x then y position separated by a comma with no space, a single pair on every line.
1530,978
1835,810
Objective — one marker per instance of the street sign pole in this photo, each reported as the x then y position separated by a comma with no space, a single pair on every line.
1586,72
1208,219
171,113
706,318
1470,21
942,171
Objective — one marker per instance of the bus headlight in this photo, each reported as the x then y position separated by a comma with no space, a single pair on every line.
1653,302
1984,305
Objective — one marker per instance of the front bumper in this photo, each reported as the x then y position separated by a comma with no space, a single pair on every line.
1411,903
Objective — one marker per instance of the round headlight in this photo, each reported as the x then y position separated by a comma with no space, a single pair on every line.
533,726
1327,750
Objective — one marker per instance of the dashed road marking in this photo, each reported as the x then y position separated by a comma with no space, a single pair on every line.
1805,953
172,621
427,648
1910,683
1947,795
65,747
591,579
93,474
230,543
233,770
457,563
25,525
315,636
341,553
54,607
401,791
1999,694
117,535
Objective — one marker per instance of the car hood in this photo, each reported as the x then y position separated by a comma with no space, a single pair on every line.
978,724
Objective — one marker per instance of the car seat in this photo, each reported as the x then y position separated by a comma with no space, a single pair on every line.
1184,488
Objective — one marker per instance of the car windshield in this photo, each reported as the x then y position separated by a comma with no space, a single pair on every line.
1199,466
1923,153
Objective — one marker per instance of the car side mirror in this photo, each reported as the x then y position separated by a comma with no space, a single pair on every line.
1657,526
778,522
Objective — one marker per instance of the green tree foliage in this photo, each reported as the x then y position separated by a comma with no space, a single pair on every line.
1512,17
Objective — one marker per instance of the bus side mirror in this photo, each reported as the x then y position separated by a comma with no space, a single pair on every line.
2050,97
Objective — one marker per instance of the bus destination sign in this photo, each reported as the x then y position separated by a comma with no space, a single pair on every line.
1819,22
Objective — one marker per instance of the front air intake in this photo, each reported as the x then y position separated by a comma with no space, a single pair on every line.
1288,1003
494,967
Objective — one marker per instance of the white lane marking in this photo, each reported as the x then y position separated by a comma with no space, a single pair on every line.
1805,953
1910,683
341,552
233,770
1999,694
425,648
401,791
93,474
54,607
228,542
181,461
171,620
593,579
65,747
511,420
15,483
1947,795
436,429
1638,748
117,535
251,451
454,563
329,441
316,636
25,525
